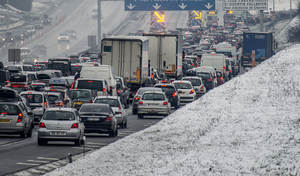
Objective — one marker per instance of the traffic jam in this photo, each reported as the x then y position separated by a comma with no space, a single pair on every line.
65,98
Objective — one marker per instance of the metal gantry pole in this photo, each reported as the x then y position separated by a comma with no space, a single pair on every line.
99,25
290,8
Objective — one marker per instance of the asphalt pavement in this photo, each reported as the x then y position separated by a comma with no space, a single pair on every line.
24,157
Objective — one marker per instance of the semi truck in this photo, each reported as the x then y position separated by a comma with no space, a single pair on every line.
165,54
260,44
128,56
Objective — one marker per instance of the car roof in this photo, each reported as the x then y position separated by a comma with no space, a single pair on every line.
110,97
95,104
181,81
191,77
167,84
61,109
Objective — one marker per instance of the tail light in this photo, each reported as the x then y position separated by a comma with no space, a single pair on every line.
209,80
140,102
60,104
165,103
4,113
174,94
20,117
75,125
119,91
91,101
109,118
45,103
202,88
42,125
221,78
136,98
229,71
224,68
104,90
192,91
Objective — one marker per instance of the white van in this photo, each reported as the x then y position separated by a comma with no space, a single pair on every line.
97,86
101,72
217,61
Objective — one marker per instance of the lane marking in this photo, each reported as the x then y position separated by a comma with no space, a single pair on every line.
45,158
28,164
38,161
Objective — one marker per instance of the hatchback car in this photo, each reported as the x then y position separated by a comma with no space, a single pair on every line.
80,96
138,95
153,103
55,99
14,116
197,84
38,103
186,91
61,124
171,93
99,118
115,104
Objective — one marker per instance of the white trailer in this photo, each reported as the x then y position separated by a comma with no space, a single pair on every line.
128,55
165,53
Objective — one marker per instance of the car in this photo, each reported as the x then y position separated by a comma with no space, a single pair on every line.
186,91
80,96
207,78
61,124
171,93
138,95
20,82
153,103
15,118
123,92
37,86
37,102
55,99
66,101
115,104
197,84
99,118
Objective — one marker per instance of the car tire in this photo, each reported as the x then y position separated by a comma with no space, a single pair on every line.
140,116
125,124
77,142
29,134
23,134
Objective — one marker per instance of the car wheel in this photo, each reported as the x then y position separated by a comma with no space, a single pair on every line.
140,116
77,142
125,124
23,134
29,134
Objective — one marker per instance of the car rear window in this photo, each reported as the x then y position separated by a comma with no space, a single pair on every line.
53,98
95,108
18,78
203,75
33,98
195,82
59,115
182,86
7,109
43,76
90,84
75,94
109,101
27,68
153,96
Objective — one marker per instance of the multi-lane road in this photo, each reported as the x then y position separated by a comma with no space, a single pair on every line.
24,157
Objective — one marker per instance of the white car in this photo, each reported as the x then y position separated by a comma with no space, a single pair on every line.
197,84
116,106
186,92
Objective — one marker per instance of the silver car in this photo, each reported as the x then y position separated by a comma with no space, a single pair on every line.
61,124
153,103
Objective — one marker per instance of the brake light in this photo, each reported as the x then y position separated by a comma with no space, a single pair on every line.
136,98
91,101
20,117
42,125
221,78
192,91
53,90
174,94
164,81
45,103
141,102
202,88
209,80
60,104
4,113
108,118
104,90
224,68
229,71
165,103
75,125
90,81
119,91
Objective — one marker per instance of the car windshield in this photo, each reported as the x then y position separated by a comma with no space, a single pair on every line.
204,75
110,101
33,98
52,98
182,86
76,94
90,84
7,109
195,82
153,96
27,68
59,115
94,108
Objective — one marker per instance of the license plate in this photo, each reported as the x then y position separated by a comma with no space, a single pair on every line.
4,121
78,103
93,119
58,133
